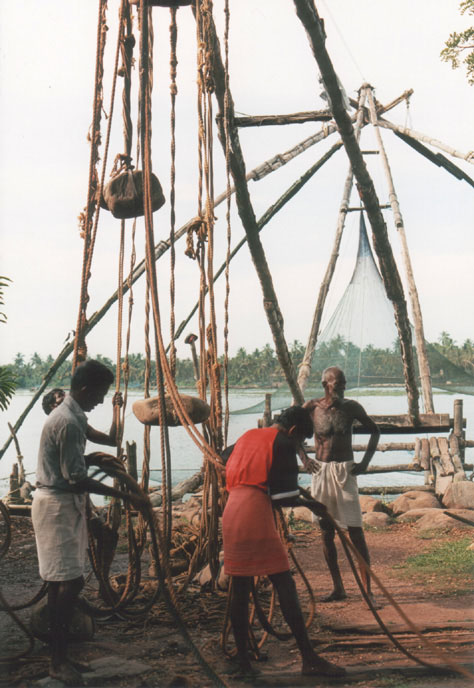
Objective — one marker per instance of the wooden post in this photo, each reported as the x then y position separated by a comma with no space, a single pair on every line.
423,364
417,452
305,365
446,463
132,460
247,215
308,15
267,414
458,427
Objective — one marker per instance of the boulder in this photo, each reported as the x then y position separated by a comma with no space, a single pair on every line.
369,504
301,513
376,519
415,499
459,495
438,520
415,514
146,410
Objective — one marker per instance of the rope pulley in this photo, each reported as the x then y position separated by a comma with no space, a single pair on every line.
147,410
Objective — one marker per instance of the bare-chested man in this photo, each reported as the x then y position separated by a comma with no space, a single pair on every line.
334,480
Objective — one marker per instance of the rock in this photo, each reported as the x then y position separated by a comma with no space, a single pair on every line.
415,499
438,520
459,495
301,513
108,667
146,410
82,626
376,519
415,514
369,504
203,578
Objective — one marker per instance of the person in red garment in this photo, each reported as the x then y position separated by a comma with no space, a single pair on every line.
262,470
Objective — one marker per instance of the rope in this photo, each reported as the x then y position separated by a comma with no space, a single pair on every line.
173,92
350,548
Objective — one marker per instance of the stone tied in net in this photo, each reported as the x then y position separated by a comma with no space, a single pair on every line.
123,195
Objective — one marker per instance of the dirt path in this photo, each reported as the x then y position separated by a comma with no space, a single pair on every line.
153,653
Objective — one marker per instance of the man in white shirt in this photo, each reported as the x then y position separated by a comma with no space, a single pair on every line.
59,506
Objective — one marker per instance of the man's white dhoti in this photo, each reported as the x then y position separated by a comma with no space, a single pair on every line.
59,521
334,486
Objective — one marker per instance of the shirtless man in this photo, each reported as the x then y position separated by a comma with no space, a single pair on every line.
334,480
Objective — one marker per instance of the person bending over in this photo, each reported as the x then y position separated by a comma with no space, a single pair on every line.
58,511
334,481
262,470
55,398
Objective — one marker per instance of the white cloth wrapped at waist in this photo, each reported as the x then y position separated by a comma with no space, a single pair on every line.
334,486
59,521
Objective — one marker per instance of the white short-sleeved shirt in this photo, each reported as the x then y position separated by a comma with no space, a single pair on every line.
61,452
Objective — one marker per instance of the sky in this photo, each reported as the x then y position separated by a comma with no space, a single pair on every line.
47,58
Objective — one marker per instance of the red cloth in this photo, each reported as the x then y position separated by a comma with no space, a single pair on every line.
251,459
252,546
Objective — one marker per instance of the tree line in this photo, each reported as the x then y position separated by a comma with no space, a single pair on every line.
448,362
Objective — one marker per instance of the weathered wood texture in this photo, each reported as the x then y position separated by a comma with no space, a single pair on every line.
294,118
423,364
402,424
308,15
247,216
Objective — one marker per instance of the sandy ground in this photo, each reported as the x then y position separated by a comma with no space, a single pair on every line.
152,652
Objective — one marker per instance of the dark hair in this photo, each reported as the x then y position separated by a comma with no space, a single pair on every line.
48,402
298,416
91,374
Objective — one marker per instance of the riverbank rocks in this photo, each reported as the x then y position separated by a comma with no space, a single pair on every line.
376,519
459,495
301,513
414,499
436,519
370,504
146,410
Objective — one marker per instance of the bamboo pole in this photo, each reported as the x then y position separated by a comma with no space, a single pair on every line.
294,118
308,15
423,364
305,365
247,215
469,157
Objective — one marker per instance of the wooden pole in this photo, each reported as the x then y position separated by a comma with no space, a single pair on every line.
423,364
458,427
294,118
469,157
247,215
308,15
305,365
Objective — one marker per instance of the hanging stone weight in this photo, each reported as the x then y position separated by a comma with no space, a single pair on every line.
81,628
146,410
123,195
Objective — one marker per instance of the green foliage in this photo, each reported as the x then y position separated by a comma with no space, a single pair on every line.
261,368
8,382
3,283
446,561
460,46
7,387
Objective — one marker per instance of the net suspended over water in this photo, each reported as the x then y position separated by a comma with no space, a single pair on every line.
361,338
364,316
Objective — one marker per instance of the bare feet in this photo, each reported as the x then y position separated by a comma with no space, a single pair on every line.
66,673
335,596
321,667
374,602
243,670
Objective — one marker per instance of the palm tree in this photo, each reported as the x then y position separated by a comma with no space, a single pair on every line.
7,379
